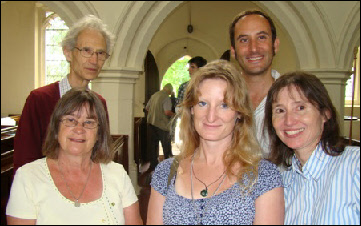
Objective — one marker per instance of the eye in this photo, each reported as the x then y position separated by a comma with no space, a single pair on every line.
262,37
224,105
88,50
278,111
89,122
243,40
301,108
102,53
201,103
70,119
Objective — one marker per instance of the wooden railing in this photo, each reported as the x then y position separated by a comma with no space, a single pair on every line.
120,147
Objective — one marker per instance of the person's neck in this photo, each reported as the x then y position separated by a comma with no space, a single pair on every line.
258,86
76,82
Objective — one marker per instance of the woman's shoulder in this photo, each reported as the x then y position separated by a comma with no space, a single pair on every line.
33,167
112,168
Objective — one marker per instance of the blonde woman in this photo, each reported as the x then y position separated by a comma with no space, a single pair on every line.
221,178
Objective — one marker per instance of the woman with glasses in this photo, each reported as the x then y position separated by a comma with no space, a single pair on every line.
77,182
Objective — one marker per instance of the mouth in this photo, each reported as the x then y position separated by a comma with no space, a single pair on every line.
254,59
92,69
294,132
77,140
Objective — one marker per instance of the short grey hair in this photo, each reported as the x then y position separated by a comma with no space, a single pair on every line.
87,22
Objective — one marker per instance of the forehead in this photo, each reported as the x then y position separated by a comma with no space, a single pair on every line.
91,38
290,93
252,23
212,85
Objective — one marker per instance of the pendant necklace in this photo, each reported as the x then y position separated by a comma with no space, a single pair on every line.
76,200
205,208
204,192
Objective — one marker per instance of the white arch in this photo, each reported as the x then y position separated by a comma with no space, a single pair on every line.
71,11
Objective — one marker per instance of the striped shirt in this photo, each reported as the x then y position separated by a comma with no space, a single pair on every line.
64,86
326,190
258,116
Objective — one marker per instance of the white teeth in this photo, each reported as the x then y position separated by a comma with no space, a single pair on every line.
255,58
294,131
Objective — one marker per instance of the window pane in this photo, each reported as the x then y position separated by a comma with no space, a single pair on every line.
56,67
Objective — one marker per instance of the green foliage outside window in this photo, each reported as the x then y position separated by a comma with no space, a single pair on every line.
177,73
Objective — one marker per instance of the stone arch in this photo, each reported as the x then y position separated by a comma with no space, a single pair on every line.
168,54
71,11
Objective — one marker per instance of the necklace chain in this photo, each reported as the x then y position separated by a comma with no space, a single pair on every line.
204,192
204,209
76,200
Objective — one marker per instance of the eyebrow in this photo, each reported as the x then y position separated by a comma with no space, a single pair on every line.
258,33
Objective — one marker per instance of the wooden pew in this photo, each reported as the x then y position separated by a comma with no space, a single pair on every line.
120,147
7,166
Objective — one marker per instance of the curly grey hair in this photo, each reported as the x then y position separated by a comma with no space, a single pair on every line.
87,22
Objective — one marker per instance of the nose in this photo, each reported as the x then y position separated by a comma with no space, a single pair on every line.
94,58
211,114
79,128
290,119
252,45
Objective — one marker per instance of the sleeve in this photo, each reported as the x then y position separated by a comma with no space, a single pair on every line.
355,165
28,138
269,178
21,203
128,193
160,176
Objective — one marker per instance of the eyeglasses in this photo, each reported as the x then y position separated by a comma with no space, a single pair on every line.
71,122
88,52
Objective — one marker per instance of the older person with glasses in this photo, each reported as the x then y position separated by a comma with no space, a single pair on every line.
86,46
77,182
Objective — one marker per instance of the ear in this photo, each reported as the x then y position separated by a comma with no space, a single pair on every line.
327,116
276,45
233,52
192,111
68,54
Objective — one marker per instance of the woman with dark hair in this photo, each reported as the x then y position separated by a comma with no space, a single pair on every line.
219,177
322,182
77,182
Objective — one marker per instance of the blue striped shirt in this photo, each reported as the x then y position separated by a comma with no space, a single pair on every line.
326,190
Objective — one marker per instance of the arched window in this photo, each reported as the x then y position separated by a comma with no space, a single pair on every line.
56,66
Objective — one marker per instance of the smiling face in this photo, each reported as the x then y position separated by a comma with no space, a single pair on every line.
83,69
213,119
77,141
297,122
254,49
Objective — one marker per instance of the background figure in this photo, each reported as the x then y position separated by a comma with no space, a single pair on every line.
86,46
159,109
194,64
322,184
254,43
77,182
219,177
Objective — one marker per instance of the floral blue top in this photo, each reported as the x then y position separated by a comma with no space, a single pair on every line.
228,207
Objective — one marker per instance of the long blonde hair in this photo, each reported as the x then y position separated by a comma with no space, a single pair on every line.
244,149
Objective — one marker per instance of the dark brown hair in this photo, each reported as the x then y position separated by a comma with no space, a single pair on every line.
314,91
75,100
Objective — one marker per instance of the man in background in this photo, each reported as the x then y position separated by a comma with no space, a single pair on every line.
86,47
254,43
159,109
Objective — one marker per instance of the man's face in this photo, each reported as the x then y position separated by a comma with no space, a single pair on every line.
83,68
192,69
253,45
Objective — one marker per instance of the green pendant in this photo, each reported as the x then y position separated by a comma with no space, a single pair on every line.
204,193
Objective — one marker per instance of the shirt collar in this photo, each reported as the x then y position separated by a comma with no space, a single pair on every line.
64,86
314,166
